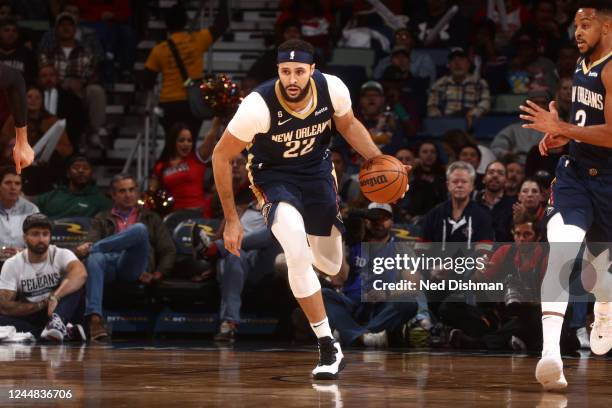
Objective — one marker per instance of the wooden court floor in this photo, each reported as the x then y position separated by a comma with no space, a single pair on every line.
261,375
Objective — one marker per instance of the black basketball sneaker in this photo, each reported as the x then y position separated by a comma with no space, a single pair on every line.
331,360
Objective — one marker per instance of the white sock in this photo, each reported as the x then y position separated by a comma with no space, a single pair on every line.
321,329
551,331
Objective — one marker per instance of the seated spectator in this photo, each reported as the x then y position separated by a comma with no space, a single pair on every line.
13,53
126,243
41,176
515,174
459,219
13,210
492,198
257,254
191,48
516,140
380,122
471,154
528,69
406,93
459,94
406,156
521,266
348,185
181,169
421,64
531,199
84,35
80,197
427,183
76,69
366,323
453,34
42,289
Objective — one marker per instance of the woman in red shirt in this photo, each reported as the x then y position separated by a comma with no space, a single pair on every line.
181,168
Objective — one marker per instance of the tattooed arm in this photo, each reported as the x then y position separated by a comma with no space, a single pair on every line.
10,307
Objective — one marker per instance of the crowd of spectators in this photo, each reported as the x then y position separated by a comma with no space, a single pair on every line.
486,193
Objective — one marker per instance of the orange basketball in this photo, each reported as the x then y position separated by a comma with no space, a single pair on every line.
383,179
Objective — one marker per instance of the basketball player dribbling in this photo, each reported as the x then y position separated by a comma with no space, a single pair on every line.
286,124
581,200
11,81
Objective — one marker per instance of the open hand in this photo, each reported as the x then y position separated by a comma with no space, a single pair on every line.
232,237
545,121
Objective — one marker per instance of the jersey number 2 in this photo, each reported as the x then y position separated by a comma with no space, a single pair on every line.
580,117
294,145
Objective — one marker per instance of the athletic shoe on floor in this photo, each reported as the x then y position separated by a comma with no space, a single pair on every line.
549,373
331,360
55,329
601,334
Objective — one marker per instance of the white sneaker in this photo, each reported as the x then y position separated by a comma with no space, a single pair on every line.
331,360
55,330
583,338
601,334
549,373
379,339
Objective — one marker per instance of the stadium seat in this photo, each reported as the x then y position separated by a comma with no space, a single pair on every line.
438,126
70,232
487,127
508,103
174,218
365,57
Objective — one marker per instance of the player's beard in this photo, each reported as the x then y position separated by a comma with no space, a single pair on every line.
589,51
300,97
38,249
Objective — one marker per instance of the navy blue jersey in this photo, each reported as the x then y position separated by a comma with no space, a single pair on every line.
588,109
296,143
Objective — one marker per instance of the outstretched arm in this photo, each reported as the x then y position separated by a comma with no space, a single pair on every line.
13,83
549,122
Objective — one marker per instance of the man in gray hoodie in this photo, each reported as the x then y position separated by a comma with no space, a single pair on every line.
13,210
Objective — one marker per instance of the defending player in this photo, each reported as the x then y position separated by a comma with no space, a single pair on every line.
12,82
581,201
286,123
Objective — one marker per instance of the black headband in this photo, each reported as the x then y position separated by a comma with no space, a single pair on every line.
295,56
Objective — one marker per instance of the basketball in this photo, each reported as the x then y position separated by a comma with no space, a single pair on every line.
383,179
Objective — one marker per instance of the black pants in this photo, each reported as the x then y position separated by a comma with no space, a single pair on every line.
71,308
179,111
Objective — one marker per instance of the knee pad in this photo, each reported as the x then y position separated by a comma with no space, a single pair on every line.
327,252
288,228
